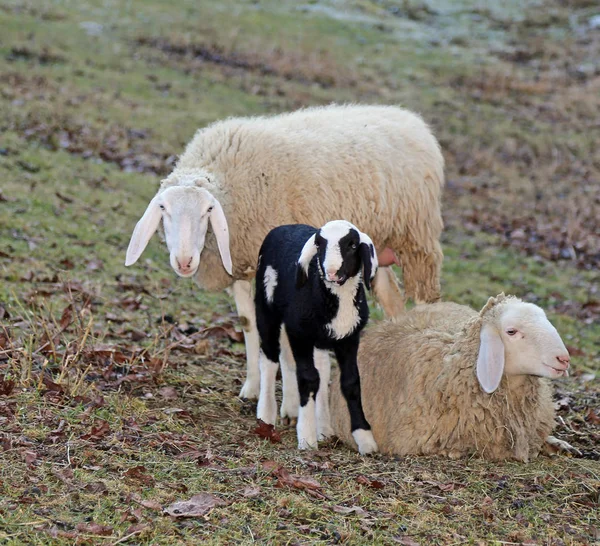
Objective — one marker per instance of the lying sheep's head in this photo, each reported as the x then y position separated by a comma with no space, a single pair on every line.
185,210
342,250
516,338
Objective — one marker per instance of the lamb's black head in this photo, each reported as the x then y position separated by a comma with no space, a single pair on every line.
342,250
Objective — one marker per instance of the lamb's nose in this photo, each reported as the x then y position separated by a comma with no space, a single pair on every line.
332,275
564,359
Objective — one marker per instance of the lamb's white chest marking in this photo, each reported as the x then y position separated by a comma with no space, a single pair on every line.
347,317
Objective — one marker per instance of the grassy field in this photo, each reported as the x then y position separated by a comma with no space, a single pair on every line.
118,386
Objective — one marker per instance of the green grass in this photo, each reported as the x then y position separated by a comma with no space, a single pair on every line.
90,122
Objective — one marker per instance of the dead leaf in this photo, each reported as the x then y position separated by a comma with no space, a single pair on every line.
66,317
94,529
267,431
95,265
592,417
168,393
6,386
139,473
349,510
251,491
375,484
96,487
99,430
29,457
197,506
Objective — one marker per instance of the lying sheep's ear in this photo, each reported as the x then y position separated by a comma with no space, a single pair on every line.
143,231
308,252
221,231
369,259
490,361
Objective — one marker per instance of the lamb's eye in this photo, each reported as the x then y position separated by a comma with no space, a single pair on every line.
353,246
161,207
511,331
209,209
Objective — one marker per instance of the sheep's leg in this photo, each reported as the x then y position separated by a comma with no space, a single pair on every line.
346,352
388,292
308,388
291,399
560,445
323,365
421,268
242,293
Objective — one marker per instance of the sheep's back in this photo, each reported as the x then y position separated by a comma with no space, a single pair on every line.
377,167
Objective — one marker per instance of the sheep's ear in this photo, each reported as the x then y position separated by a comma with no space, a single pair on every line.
308,252
221,231
369,259
143,231
490,361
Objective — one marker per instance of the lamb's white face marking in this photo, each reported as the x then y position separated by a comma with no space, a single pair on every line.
347,318
270,281
332,232
365,441
307,425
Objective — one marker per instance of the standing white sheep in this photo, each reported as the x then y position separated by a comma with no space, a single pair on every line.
378,167
444,379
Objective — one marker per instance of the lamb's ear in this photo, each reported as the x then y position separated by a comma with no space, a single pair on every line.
490,360
143,231
368,257
308,251
221,231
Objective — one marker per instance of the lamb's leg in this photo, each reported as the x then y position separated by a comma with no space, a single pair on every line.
323,365
308,388
242,293
388,292
346,352
291,399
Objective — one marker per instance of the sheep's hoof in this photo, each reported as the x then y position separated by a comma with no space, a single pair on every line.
562,446
327,432
249,391
365,441
289,421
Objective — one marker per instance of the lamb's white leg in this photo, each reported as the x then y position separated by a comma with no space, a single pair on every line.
242,293
365,441
307,426
291,399
267,405
323,365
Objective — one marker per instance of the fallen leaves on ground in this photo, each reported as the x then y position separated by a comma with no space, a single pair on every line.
375,484
267,431
198,506
286,479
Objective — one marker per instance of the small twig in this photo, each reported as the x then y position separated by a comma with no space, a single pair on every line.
126,537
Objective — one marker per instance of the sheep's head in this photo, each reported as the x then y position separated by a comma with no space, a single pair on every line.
185,210
341,250
516,338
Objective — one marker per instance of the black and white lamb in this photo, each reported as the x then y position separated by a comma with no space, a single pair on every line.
311,282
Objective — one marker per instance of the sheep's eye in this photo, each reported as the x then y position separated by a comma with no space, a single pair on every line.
209,209
511,331
161,207
353,246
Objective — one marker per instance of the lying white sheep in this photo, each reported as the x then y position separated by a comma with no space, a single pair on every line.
378,167
444,379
